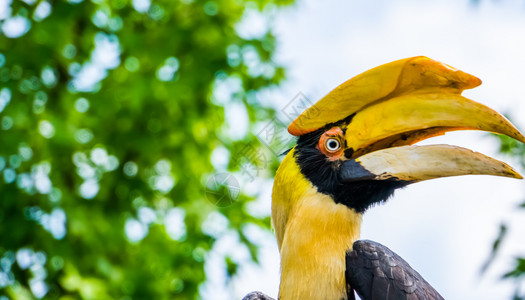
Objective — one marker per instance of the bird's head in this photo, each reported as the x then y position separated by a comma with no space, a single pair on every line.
356,143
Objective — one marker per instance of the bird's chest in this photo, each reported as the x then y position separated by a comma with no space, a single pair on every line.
317,237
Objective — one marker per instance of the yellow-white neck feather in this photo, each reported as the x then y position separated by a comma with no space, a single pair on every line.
313,233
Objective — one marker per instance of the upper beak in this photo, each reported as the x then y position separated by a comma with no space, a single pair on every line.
384,149
398,104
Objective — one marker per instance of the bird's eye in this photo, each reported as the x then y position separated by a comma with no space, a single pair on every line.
332,145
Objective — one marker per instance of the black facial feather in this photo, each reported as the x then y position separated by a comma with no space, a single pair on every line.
324,174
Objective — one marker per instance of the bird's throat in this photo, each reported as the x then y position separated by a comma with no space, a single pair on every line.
314,233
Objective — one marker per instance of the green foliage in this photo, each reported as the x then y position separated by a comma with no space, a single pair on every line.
515,149
519,269
109,114
495,247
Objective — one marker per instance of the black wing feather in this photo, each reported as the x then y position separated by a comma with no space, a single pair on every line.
377,273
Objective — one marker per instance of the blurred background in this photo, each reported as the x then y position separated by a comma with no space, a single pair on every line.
139,139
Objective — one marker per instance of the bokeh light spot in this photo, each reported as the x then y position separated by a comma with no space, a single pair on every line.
89,189
24,258
25,182
46,129
146,215
135,230
55,195
15,161
163,166
220,158
55,223
215,224
112,163
5,98
156,12
177,285
86,171
6,279
7,123
174,223
29,84
132,64
115,23
44,167
48,76
167,71
38,287
74,69
83,136
25,152
100,19
82,105
105,56
141,6
79,158
99,156
57,262
41,177
211,8
226,88
198,254
42,11
9,175
69,51
130,169
39,103
16,72
234,56
163,183
15,27
268,71
40,258
252,60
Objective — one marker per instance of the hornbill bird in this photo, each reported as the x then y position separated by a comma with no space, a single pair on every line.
354,148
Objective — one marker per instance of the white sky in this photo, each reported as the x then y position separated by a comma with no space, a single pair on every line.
444,228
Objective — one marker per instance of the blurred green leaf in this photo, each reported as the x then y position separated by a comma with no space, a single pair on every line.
495,247
519,269
111,114
516,150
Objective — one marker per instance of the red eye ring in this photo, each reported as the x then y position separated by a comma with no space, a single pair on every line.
331,143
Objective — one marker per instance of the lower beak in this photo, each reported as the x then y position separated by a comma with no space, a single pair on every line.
418,163
380,136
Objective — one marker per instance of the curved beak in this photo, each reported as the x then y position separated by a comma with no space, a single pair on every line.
385,150
418,163
389,108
